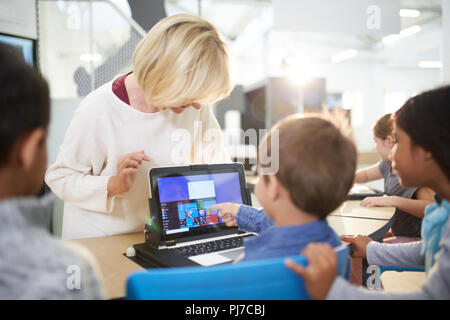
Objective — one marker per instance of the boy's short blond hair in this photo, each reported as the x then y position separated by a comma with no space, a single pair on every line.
181,61
317,161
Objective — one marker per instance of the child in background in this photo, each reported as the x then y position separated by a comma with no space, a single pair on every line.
33,265
315,173
421,158
410,203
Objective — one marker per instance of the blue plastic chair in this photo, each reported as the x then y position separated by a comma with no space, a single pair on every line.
267,279
400,269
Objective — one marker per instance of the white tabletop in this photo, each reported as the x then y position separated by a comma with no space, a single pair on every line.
352,208
355,226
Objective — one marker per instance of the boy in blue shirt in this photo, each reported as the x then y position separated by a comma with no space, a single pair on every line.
314,174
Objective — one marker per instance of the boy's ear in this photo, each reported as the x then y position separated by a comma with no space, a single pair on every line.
29,146
274,187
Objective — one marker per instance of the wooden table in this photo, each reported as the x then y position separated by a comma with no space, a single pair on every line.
402,282
116,268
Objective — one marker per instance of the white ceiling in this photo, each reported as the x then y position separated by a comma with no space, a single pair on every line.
243,23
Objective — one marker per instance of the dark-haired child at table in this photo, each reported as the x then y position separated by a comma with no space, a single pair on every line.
33,264
410,203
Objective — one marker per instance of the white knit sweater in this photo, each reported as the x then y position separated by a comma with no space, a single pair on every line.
105,128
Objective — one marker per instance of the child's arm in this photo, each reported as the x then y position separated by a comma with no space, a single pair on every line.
436,285
368,174
252,220
415,207
245,217
385,254
322,283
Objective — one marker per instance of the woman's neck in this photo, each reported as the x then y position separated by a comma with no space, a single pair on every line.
136,95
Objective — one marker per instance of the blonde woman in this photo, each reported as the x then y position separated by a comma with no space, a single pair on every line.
156,115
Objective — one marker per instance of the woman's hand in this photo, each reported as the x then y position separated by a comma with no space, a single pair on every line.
321,270
227,211
127,167
389,201
359,244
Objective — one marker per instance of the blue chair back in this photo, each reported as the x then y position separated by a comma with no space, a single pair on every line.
400,269
267,279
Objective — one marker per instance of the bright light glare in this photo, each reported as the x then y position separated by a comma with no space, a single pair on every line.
299,70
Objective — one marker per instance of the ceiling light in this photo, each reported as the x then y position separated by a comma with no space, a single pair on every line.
88,57
410,31
344,55
409,13
404,33
430,64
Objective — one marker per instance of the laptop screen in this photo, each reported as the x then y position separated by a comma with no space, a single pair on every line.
185,200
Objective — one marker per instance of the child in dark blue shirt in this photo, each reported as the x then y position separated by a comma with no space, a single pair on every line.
310,175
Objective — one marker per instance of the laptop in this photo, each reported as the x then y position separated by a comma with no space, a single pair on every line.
183,229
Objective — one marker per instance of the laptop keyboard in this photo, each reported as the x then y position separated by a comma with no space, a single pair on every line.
212,246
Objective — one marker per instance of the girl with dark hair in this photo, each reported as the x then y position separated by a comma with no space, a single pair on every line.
421,157
410,203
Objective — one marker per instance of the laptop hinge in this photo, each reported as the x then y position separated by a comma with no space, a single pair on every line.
170,243
152,236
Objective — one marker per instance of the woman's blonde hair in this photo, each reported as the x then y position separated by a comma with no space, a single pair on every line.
181,61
